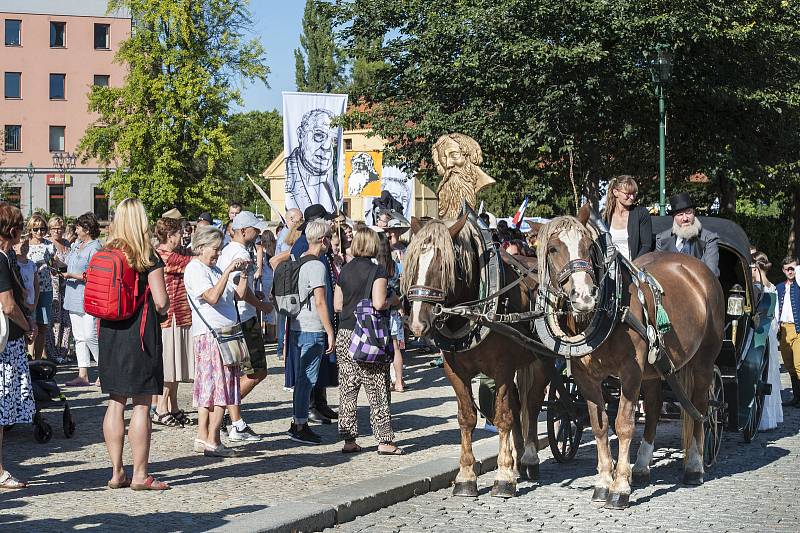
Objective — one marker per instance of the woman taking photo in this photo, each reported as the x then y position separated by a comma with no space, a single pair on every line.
16,394
131,366
629,224
84,325
212,301
359,274
41,252
58,334
176,329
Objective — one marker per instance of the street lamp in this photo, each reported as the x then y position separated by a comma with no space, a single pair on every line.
661,70
31,172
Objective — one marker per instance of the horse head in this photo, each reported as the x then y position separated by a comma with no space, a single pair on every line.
437,268
564,249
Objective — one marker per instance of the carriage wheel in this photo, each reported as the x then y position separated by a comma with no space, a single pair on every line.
751,428
564,431
715,423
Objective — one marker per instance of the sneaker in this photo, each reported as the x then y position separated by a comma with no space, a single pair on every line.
245,435
315,416
303,434
220,451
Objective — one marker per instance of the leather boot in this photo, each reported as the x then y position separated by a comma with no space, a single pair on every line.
795,401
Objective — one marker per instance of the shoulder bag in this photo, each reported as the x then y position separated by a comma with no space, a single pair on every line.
230,339
372,339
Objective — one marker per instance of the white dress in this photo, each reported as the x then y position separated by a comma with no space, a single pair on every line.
773,410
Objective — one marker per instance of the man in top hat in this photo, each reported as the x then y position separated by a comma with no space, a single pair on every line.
687,235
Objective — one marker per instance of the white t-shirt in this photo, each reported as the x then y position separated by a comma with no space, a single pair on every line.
27,271
198,278
787,316
281,245
619,238
232,251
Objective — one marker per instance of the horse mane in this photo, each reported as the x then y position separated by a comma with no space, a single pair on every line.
435,234
555,226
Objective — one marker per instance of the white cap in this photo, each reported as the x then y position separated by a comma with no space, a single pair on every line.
246,219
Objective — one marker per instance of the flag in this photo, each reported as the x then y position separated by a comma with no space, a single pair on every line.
517,220
481,209
266,197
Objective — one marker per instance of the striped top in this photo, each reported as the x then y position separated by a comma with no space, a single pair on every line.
175,265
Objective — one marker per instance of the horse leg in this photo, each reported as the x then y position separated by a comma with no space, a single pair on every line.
466,483
652,411
592,391
532,381
505,480
630,379
699,380
518,441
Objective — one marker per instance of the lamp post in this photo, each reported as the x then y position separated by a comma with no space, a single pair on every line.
64,161
31,172
661,70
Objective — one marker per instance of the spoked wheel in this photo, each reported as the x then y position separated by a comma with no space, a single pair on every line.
565,420
751,428
715,423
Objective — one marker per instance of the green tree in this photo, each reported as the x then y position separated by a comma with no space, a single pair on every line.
541,84
319,66
164,131
256,139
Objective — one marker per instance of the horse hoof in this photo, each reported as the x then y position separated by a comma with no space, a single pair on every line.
640,478
529,472
504,489
600,494
617,501
693,478
467,489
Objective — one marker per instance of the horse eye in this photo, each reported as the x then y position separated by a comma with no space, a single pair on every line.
552,250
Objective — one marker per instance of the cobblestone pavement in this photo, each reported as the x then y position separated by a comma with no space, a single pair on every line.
68,476
753,487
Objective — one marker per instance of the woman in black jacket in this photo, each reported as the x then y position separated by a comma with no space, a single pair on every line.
629,224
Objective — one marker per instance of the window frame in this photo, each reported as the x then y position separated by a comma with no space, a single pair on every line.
50,130
99,195
6,137
19,32
14,195
62,198
19,86
106,76
108,36
63,24
63,86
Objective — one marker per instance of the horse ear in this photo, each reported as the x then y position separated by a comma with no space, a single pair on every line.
416,225
584,213
455,229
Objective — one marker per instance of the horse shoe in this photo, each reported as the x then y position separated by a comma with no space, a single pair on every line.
467,489
617,501
504,489
600,494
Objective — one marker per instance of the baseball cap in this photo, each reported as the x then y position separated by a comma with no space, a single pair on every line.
246,219
314,212
206,217
172,213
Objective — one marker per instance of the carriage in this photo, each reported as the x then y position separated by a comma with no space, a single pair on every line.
740,373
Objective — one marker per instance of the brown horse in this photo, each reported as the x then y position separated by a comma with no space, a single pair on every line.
442,267
694,301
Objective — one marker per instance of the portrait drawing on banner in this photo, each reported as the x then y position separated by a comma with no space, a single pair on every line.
361,172
310,172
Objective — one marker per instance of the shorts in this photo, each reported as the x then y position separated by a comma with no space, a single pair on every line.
396,326
255,345
44,309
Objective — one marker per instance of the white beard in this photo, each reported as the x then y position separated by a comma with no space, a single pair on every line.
357,181
687,233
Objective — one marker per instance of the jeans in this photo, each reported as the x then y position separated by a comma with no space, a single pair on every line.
308,348
280,327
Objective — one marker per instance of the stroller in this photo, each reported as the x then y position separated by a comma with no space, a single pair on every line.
47,394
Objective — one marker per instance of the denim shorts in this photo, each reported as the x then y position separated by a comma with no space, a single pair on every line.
396,326
44,309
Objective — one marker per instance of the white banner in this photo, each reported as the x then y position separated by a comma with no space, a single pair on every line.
400,185
314,157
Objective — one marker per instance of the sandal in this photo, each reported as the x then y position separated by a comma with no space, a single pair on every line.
7,481
355,449
124,484
150,483
396,451
182,418
166,419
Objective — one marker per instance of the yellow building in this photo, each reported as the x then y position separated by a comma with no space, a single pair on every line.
425,203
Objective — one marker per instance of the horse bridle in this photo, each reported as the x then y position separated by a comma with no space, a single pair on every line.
574,266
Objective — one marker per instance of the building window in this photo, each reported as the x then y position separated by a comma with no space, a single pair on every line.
101,80
101,36
13,138
57,138
55,196
100,204
13,32
58,31
11,195
57,83
348,144
12,85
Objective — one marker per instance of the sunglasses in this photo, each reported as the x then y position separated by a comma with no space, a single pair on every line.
39,228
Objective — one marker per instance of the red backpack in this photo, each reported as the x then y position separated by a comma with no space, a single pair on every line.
112,288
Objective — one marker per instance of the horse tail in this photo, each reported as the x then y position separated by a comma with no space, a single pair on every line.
686,378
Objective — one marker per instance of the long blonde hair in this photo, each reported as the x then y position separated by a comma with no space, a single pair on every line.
130,233
624,182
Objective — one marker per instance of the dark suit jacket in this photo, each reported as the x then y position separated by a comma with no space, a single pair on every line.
640,232
708,252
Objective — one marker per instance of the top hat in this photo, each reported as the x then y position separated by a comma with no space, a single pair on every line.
679,202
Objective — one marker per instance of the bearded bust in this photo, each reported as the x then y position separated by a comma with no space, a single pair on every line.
458,158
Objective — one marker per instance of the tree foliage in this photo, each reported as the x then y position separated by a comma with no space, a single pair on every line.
164,130
540,83
319,66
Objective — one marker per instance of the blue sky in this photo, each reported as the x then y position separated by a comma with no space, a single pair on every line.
277,23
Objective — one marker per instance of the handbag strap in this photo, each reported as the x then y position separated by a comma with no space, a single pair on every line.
214,333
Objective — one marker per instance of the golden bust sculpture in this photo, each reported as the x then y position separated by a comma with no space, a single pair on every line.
458,158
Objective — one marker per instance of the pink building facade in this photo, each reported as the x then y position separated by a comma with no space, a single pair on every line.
50,56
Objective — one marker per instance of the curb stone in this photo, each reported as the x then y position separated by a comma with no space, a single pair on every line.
343,504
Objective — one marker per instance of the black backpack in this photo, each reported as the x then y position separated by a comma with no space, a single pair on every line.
285,294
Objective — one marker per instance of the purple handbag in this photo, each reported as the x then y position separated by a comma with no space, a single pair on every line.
372,339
